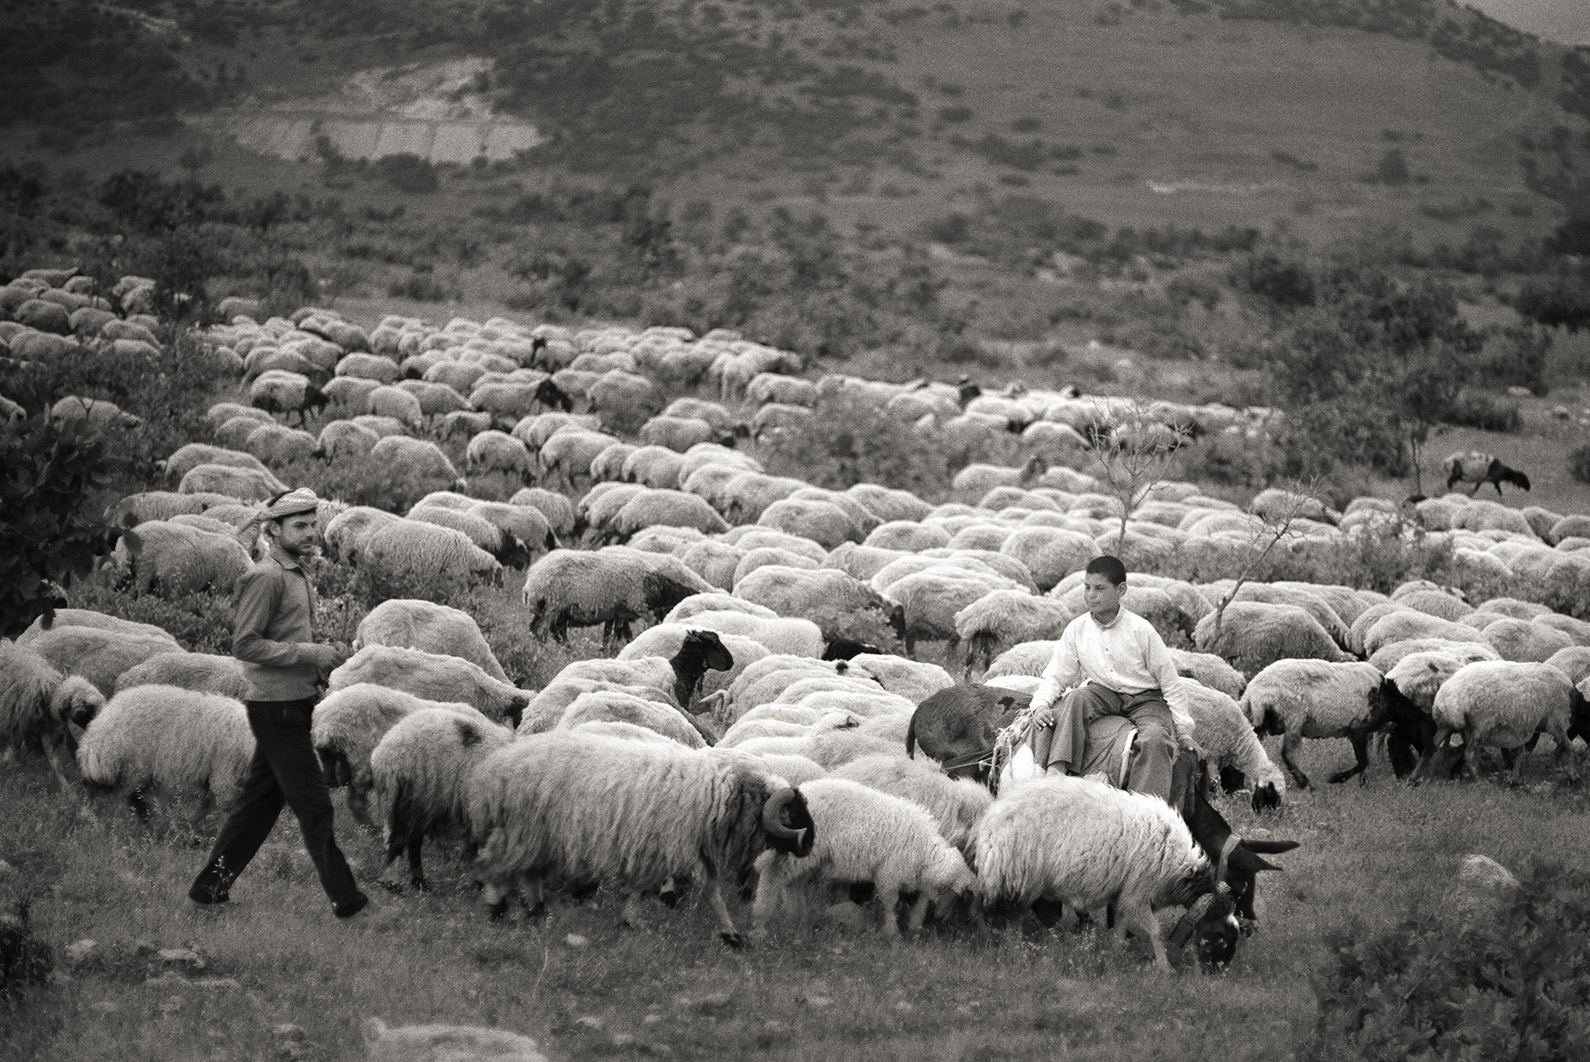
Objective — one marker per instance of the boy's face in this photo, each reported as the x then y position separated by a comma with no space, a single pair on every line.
1102,597
298,535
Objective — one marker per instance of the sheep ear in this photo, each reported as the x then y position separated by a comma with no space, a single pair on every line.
1269,847
1249,863
135,542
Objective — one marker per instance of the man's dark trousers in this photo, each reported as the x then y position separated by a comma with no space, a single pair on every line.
285,770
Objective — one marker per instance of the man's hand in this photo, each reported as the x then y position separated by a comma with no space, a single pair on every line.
1044,719
326,658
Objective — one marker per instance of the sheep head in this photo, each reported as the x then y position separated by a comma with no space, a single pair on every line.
1211,920
787,821
76,702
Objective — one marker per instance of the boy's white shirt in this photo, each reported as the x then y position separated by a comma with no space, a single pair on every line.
1127,656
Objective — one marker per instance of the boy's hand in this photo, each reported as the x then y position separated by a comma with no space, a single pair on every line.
1044,719
326,658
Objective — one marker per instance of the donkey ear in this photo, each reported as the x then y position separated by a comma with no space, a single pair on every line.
1269,847
1247,862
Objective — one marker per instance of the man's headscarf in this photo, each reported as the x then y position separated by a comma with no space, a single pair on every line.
293,503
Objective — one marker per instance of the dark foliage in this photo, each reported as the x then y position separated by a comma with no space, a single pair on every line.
48,535
1511,983
1579,463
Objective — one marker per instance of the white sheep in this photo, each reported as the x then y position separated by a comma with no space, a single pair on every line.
915,680
828,749
412,552
417,458
171,559
170,739
547,706
956,804
1231,747
863,835
83,617
240,484
557,508
202,672
1093,846
94,414
791,635
1252,635
349,723
98,655
189,456
1007,617
497,451
347,535
434,676
421,770
611,706
1323,699
1505,703
426,625
277,444
39,707
611,586
577,808
844,608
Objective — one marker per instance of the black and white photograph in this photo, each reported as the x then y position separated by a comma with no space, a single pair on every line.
805,530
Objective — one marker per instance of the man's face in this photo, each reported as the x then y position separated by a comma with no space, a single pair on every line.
1102,597
298,535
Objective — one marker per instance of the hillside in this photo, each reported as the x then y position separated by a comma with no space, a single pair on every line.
1201,113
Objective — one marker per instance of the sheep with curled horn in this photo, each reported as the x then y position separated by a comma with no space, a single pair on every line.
573,808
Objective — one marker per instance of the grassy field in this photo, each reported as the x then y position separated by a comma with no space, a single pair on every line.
587,989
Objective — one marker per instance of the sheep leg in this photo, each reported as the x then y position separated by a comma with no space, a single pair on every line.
888,899
917,914
54,753
358,799
720,911
140,807
1360,742
769,898
1289,746
1137,916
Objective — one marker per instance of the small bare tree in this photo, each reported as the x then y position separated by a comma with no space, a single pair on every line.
1132,454
1277,525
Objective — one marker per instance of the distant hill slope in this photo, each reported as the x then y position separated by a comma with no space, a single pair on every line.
1199,112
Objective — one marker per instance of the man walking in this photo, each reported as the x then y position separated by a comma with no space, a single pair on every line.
1113,662
285,670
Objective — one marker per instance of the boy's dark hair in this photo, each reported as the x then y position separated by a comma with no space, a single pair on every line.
1109,567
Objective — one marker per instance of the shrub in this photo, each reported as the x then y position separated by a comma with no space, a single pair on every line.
201,622
1512,984
1486,412
1579,463
407,172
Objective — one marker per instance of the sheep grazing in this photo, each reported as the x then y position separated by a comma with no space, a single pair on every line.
1231,747
957,805
1251,635
957,727
420,770
98,655
169,739
409,552
347,726
39,707
1319,699
611,586
1503,703
83,617
200,672
612,706
1073,841
576,808
415,624
1479,468
433,676
678,675
862,835
170,558
287,393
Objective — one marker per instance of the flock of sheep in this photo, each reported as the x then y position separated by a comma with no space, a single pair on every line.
756,728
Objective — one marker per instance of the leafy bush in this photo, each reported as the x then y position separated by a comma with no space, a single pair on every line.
201,622
1486,412
407,172
1579,463
1512,984
48,475
1556,301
